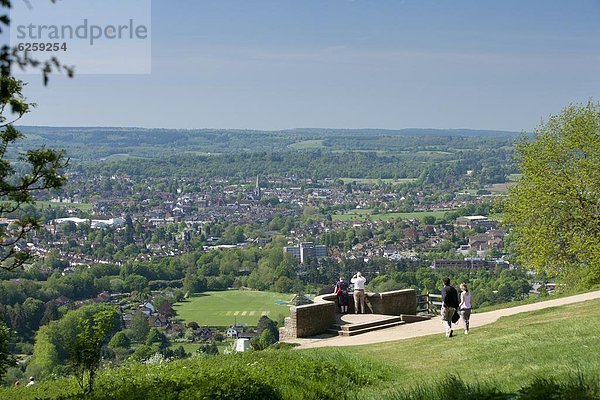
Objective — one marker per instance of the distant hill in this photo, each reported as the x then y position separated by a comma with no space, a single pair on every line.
93,143
409,132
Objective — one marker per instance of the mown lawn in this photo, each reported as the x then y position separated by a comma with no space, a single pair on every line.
225,308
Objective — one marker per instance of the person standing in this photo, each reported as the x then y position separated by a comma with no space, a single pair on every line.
31,381
449,305
341,290
465,306
359,292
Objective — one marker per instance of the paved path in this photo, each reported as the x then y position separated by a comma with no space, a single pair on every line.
434,325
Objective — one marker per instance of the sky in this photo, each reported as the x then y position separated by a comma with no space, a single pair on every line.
393,64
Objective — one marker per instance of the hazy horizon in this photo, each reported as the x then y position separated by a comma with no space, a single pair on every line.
274,65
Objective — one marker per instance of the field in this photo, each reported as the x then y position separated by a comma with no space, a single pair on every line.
363,215
371,181
79,206
226,308
500,188
554,342
307,145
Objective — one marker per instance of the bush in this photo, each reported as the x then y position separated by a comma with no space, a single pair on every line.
264,375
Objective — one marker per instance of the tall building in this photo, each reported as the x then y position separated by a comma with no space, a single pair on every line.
257,191
306,251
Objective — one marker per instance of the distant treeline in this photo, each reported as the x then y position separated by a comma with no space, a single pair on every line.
96,143
489,166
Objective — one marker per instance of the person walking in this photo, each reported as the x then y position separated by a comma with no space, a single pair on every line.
449,305
341,291
465,306
31,381
359,292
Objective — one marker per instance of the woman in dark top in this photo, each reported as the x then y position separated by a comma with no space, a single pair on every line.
341,290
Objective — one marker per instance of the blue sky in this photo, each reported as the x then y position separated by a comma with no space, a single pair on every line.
344,64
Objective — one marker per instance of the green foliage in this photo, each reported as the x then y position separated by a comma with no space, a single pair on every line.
554,210
208,349
143,352
156,336
139,327
120,340
42,172
252,375
394,370
267,334
6,359
86,349
52,342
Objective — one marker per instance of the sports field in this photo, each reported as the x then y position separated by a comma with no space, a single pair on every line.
226,308
363,215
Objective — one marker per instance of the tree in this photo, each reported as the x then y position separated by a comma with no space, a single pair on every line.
6,359
42,173
86,350
267,333
120,340
43,165
139,326
143,353
208,349
156,336
554,210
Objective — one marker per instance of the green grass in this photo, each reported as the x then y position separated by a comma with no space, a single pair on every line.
79,206
249,376
124,156
551,343
225,308
535,355
532,299
370,181
500,188
307,145
364,215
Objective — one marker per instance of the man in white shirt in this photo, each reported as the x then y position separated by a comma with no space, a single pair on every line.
359,292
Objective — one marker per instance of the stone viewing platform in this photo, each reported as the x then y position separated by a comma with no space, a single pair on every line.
428,327
384,310
355,324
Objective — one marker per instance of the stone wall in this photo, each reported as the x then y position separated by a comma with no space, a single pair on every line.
313,319
392,303
310,319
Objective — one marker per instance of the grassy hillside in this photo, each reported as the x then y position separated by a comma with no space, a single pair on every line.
539,355
554,342
225,308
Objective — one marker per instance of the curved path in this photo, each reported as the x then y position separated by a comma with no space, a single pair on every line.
434,326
